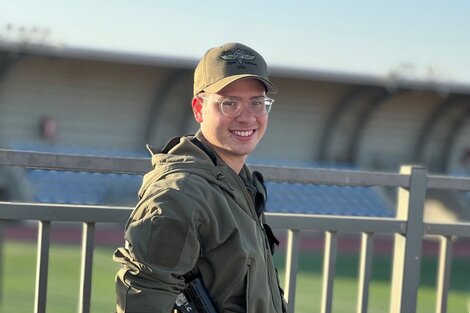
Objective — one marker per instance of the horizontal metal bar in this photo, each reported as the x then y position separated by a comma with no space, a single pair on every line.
110,214
63,212
333,177
449,230
335,223
448,182
40,160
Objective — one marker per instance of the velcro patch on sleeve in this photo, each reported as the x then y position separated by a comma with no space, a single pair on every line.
166,241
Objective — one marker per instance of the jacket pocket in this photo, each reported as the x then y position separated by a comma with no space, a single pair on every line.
235,297
248,286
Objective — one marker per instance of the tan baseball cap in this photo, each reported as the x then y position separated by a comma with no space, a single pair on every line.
228,63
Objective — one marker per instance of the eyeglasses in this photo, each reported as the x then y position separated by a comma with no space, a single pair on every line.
233,107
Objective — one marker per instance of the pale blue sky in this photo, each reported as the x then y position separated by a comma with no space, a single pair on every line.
360,37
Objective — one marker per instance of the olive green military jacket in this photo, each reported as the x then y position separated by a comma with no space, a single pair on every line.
195,216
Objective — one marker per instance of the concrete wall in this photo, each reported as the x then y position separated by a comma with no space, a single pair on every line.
122,106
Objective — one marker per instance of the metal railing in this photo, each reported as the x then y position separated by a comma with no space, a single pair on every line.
408,227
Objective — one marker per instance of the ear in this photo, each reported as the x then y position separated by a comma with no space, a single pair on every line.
197,105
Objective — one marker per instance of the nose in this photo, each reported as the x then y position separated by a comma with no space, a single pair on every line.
246,114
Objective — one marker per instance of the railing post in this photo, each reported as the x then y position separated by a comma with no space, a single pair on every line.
329,268
407,246
42,266
2,258
292,260
84,300
365,272
443,273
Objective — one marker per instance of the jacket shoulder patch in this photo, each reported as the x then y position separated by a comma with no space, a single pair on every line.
166,241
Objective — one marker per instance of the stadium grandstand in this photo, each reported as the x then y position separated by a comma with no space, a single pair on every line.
87,102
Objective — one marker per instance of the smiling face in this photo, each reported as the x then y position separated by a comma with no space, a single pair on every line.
233,138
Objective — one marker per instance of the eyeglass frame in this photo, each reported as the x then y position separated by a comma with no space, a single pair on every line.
221,99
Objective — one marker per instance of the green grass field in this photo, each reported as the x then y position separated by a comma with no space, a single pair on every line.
63,284
308,292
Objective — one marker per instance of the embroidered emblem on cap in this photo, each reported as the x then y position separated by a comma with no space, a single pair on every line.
240,56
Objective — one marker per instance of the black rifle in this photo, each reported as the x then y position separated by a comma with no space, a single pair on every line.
194,299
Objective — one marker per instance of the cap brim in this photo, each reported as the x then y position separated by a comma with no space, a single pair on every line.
217,86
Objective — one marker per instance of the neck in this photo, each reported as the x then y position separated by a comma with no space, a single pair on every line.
234,162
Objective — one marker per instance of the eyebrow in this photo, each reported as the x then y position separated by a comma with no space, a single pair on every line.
240,98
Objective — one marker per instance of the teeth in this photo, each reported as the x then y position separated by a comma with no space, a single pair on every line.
243,133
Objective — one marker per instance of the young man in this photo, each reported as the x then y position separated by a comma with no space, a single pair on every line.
201,210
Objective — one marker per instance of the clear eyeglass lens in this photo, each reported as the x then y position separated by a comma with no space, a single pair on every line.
233,107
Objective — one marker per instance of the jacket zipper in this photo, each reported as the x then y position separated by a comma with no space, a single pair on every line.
259,222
